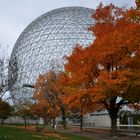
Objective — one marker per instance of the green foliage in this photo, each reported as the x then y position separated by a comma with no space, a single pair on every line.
5,110
24,111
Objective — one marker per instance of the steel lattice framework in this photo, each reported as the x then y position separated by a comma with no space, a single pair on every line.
43,45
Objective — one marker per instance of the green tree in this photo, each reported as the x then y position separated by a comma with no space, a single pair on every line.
6,110
23,111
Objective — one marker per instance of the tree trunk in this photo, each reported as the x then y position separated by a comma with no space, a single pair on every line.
64,122
63,117
2,122
114,125
54,123
81,123
113,109
25,122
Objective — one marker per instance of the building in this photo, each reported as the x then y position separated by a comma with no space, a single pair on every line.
43,45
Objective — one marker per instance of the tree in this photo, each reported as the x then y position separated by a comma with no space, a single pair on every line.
42,109
4,65
138,3
110,67
117,49
23,111
81,78
82,102
3,76
5,111
49,90
5,108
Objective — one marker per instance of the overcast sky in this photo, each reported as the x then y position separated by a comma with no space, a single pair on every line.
15,15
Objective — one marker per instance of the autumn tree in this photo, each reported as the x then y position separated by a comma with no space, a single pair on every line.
137,3
117,49
50,90
43,109
112,61
82,73
82,102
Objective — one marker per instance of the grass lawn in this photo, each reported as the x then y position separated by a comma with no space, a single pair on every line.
18,133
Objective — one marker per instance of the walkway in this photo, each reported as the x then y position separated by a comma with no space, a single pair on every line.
98,134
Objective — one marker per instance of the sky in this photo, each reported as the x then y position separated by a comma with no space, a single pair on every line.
15,15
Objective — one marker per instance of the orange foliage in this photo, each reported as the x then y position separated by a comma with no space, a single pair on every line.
110,66
50,94
44,109
82,73
98,74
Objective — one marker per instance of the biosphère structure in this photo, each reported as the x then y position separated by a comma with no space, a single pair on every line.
43,45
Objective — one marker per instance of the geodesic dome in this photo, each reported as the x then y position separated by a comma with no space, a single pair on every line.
43,45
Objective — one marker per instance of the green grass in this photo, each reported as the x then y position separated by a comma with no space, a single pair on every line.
13,133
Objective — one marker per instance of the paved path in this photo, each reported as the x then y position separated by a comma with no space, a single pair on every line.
98,134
